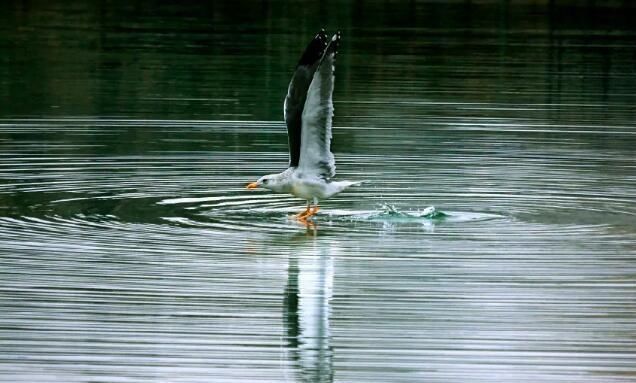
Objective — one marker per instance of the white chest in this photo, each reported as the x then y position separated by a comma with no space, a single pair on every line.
309,188
304,190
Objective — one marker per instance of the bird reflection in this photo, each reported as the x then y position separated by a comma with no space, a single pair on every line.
306,313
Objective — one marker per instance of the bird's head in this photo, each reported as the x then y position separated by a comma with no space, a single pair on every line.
268,182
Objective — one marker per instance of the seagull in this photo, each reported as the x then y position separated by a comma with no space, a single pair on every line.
308,112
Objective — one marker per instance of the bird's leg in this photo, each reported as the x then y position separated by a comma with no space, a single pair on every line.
303,214
314,210
311,213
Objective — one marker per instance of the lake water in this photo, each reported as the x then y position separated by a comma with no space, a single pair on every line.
131,252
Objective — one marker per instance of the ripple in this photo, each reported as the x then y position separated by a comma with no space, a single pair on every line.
145,188
145,259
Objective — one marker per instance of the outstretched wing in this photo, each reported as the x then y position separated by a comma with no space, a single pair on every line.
315,152
297,93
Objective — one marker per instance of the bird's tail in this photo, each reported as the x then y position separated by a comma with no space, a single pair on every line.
346,184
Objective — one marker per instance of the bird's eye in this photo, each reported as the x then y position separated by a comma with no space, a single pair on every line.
265,181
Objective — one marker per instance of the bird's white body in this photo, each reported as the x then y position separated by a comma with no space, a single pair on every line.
316,188
303,185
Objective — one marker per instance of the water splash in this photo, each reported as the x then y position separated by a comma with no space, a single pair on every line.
391,211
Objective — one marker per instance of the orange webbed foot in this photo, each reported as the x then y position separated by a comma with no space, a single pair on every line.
312,212
302,214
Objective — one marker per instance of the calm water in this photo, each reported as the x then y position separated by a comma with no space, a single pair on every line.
131,252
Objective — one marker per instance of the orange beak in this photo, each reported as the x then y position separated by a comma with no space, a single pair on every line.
253,185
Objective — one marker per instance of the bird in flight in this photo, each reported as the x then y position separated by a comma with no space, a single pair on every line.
308,111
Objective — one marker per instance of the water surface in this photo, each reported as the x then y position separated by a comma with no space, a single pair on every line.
131,252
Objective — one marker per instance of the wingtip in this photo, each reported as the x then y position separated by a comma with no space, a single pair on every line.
315,49
322,35
334,44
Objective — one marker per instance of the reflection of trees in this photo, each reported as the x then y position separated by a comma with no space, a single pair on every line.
229,60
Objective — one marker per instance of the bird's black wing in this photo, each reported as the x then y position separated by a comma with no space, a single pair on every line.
315,154
297,93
